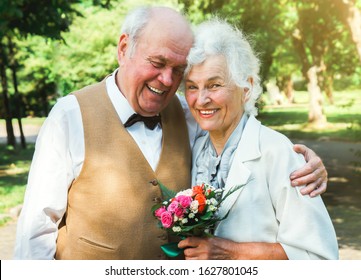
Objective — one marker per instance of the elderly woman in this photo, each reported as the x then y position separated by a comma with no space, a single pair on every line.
268,218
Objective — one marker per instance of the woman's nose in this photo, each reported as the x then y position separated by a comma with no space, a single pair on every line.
203,97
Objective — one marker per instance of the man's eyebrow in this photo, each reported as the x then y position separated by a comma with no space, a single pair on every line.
182,67
161,58
164,60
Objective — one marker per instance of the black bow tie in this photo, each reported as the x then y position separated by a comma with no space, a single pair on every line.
150,122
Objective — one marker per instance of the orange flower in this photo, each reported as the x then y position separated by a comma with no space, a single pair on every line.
197,190
201,202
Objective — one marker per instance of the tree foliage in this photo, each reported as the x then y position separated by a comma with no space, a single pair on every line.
19,19
20,22
292,37
54,49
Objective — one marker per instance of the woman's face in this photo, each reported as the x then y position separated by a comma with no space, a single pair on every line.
215,102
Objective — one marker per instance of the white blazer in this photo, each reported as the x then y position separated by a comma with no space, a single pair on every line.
268,208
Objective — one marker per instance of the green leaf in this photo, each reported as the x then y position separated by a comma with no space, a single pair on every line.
167,193
155,207
232,190
207,215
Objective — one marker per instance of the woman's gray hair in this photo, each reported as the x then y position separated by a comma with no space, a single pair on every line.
217,37
134,23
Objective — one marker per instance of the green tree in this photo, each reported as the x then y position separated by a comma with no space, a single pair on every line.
290,33
324,47
350,14
19,19
259,19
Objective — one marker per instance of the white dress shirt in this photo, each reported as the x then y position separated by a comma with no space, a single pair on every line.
58,160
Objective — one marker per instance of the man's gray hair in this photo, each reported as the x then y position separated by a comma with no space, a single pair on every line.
134,23
217,37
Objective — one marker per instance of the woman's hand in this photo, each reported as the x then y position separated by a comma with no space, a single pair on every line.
313,175
215,248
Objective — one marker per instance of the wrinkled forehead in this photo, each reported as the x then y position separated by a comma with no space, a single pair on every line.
210,63
169,47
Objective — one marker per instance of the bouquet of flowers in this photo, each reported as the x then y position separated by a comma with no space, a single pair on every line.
191,212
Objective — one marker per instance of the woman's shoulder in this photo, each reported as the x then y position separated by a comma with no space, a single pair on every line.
272,142
273,137
267,136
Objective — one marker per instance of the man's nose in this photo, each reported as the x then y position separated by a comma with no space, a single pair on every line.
165,76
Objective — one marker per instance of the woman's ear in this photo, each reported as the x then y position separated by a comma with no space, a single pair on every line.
248,90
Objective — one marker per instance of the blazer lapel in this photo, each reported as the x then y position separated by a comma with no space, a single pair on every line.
239,174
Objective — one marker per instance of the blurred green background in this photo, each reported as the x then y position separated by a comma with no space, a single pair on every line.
310,51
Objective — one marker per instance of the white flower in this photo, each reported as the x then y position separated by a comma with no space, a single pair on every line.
176,229
187,192
194,206
212,208
184,220
213,201
209,187
191,215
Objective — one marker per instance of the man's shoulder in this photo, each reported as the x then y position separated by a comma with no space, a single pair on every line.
63,106
93,88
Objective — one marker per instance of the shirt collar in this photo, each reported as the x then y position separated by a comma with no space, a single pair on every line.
120,103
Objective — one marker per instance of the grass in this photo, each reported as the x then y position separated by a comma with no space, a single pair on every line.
343,118
344,123
25,121
14,168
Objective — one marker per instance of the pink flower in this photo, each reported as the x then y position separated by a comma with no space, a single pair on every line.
179,212
159,211
184,200
173,206
166,219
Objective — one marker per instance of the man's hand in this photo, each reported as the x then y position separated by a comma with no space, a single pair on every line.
313,174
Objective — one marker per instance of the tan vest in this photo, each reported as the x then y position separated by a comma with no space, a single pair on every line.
108,214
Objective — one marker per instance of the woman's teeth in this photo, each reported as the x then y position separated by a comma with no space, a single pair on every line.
207,112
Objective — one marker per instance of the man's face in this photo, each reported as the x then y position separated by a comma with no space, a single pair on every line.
149,77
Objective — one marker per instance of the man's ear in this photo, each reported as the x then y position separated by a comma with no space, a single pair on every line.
123,46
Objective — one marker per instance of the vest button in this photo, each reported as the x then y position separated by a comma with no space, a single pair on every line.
157,200
163,236
154,182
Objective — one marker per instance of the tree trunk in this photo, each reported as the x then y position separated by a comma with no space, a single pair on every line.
8,119
274,93
288,89
316,115
18,103
354,23
329,89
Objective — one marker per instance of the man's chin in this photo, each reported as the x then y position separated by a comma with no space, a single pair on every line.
151,109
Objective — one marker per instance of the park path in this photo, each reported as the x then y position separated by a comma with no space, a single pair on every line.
343,196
